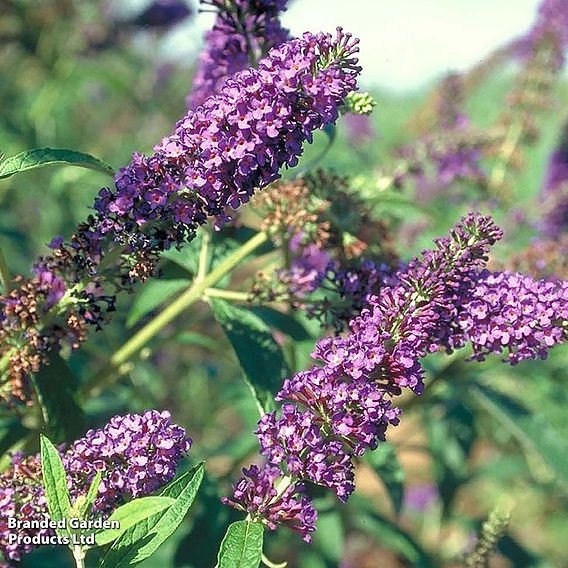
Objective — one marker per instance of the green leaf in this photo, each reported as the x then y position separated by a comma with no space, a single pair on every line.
242,545
56,389
390,535
40,157
11,432
84,504
186,257
260,356
386,465
151,295
55,484
130,514
533,432
519,556
450,426
330,536
285,323
194,338
143,539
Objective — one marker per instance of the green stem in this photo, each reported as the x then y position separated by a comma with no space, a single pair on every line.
283,484
512,141
203,265
267,562
79,556
5,277
193,294
111,257
227,294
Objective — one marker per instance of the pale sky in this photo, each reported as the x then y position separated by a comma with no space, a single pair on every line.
404,43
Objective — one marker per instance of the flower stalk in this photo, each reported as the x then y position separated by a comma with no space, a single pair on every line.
5,277
192,295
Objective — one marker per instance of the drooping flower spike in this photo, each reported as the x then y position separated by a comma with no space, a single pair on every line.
342,407
218,156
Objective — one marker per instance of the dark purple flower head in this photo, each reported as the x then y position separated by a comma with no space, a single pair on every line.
550,27
244,31
52,286
342,407
420,497
234,143
140,452
439,161
308,267
162,14
137,454
259,494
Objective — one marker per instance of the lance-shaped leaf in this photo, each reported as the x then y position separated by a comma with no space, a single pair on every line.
40,157
241,546
387,466
130,514
56,389
151,295
283,322
330,536
389,534
258,353
84,503
144,538
533,432
55,484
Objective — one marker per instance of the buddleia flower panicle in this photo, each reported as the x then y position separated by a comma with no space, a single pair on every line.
218,156
257,493
512,314
549,30
137,454
243,32
162,14
343,406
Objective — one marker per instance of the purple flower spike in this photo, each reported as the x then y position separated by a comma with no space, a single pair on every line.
137,454
244,30
509,313
257,494
219,154
554,194
342,408
163,14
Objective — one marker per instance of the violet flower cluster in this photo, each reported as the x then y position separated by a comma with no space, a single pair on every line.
550,30
244,31
340,409
335,251
512,314
451,155
136,453
217,157
272,506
